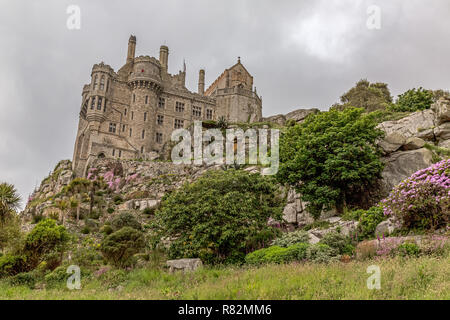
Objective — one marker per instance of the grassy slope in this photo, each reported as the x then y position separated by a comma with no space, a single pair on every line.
415,278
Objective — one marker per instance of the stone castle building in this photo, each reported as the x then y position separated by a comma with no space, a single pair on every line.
131,113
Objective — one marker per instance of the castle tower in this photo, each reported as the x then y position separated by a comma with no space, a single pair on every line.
201,82
164,57
131,48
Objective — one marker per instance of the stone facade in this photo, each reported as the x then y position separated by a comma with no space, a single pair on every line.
131,113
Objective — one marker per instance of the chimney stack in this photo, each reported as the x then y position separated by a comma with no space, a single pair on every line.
131,48
201,82
164,57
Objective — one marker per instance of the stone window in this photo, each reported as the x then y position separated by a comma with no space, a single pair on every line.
125,111
92,103
146,99
179,124
179,107
134,97
145,116
159,137
102,83
99,103
95,82
123,128
160,119
131,132
209,114
161,103
132,115
112,127
113,152
142,149
120,153
143,134
197,111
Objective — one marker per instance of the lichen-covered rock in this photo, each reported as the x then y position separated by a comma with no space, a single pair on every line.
402,164
442,108
412,125
413,143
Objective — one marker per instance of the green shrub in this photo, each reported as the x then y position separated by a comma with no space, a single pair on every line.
321,253
46,239
110,210
414,100
276,254
118,199
368,222
125,219
28,279
149,211
220,216
291,238
334,156
339,242
107,229
119,247
408,250
85,230
12,264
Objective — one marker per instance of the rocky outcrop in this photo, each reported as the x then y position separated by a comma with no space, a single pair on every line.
298,116
401,165
295,210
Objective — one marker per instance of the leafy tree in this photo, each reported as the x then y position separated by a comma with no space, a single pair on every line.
10,233
9,200
220,217
125,219
366,95
46,241
119,247
330,157
414,100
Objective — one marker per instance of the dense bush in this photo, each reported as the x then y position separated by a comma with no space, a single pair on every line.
331,157
276,254
12,264
339,242
408,250
125,219
414,100
220,217
422,201
368,222
119,247
321,253
46,242
291,238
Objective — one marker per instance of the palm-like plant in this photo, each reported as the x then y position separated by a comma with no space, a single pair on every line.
64,206
9,200
76,189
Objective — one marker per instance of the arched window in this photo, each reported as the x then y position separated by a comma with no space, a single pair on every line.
101,155
102,83
95,82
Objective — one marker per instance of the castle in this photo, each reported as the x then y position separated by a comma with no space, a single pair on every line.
131,113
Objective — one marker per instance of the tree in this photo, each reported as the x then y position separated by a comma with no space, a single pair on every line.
45,242
77,188
219,217
9,200
63,205
330,157
366,95
414,100
119,247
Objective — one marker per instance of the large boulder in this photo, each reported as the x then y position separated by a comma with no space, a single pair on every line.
300,114
401,165
392,142
442,108
413,143
184,265
419,124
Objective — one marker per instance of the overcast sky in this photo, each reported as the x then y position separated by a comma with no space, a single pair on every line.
302,54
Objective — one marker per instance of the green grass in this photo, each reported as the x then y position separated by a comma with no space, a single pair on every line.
401,278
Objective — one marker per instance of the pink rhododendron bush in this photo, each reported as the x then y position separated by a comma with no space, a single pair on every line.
423,200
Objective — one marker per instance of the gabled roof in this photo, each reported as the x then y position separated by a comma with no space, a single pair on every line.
214,84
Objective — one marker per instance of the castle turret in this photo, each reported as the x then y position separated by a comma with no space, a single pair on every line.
164,57
131,48
201,82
